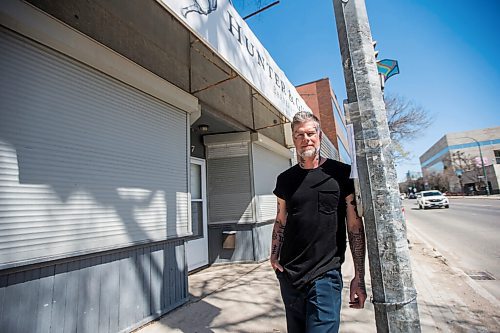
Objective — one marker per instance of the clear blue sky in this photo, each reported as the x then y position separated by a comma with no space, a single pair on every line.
448,53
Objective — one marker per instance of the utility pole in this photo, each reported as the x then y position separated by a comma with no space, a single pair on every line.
394,295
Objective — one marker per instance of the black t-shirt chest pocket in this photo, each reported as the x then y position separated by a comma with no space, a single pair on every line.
328,201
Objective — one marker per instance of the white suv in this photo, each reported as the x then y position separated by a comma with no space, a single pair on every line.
430,199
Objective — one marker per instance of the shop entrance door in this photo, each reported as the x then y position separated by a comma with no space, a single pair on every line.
197,249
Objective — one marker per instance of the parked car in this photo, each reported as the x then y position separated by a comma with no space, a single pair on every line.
432,199
412,195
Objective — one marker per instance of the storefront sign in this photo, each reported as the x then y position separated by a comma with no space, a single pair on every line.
220,25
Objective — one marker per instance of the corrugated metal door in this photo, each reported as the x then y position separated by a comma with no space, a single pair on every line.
229,188
327,149
86,162
267,165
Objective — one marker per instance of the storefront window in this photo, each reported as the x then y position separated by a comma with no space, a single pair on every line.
497,156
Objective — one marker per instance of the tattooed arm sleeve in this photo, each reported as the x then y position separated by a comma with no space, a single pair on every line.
278,234
356,234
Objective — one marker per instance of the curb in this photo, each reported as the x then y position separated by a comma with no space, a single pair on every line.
491,197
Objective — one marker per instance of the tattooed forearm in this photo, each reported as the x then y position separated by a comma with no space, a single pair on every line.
278,238
274,250
357,245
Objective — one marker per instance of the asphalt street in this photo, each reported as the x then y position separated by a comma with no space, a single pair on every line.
467,234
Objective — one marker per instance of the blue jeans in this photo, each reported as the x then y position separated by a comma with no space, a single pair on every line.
316,308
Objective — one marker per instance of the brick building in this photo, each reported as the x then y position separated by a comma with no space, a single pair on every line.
321,99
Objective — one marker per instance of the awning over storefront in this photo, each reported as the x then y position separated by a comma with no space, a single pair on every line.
222,29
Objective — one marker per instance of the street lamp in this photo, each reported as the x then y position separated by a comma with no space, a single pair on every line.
482,164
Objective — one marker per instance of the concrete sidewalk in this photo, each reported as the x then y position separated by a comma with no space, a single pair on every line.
245,298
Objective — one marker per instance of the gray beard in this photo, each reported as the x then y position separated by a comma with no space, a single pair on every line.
309,153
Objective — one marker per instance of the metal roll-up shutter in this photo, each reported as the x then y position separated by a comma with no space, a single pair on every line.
86,162
328,150
229,183
267,165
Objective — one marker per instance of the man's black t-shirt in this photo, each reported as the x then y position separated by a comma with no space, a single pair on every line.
315,233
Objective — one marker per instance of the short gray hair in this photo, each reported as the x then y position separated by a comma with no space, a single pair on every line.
303,116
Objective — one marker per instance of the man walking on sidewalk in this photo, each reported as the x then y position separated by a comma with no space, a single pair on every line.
308,242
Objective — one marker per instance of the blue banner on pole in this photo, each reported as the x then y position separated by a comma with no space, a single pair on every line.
388,68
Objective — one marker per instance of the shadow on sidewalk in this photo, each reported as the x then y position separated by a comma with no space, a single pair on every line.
194,317
233,298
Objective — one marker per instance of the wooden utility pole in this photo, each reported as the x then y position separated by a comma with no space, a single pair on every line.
394,296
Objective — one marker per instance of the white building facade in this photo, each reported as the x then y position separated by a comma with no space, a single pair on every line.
456,158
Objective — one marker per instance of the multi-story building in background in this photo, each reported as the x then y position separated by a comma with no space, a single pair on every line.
464,161
321,99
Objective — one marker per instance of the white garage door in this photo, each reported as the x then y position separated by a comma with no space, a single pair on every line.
86,162
267,165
